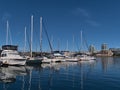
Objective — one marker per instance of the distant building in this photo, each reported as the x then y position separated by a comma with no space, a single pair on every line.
116,51
104,51
104,47
92,49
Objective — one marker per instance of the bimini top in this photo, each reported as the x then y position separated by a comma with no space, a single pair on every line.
9,47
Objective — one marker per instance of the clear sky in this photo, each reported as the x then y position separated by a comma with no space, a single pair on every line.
98,19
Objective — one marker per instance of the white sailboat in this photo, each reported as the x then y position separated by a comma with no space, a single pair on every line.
54,57
71,58
84,56
32,59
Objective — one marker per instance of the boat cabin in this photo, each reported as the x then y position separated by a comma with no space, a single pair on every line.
10,47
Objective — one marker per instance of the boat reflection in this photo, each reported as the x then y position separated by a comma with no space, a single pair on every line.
8,74
73,73
57,66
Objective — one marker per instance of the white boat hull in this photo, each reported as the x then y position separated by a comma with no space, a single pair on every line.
72,59
51,60
13,61
86,58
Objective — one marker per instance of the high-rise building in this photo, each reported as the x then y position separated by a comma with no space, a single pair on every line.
91,49
104,47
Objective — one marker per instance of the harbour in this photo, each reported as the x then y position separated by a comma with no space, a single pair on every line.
59,45
102,73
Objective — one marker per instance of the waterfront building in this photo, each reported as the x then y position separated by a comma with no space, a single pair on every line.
116,51
104,47
104,51
92,49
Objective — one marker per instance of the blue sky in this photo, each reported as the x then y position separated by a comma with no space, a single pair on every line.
98,19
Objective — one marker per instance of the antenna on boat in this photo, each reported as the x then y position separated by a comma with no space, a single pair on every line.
8,34
31,35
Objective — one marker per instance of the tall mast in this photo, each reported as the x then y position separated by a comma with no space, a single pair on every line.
48,38
51,41
73,43
81,41
58,44
25,41
7,33
31,35
41,35
67,46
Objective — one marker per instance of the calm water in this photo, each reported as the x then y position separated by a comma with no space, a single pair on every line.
102,74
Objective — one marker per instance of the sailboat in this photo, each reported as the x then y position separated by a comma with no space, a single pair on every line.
10,54
54,57
32,59
85,56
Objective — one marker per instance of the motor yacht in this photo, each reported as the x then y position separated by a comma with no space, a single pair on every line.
11,56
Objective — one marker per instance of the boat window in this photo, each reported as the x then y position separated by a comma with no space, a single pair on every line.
4,55
13,53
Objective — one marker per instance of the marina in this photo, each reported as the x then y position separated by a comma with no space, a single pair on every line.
65,75
59,45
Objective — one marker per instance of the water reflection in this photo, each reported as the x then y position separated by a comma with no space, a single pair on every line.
8,74
65,75
84,75
108,62
58,66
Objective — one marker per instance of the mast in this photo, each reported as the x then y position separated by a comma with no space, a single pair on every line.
41,35
25,41
51,40
31,35
73,43
67,46
58,44
81,42
48,38
7,33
